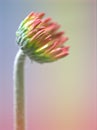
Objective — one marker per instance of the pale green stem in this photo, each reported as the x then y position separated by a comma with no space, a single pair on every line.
19,98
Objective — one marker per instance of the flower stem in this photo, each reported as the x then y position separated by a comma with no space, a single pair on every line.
19,98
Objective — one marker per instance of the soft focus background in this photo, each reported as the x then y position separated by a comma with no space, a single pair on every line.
60,95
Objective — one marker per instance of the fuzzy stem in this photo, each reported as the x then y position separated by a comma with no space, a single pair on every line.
19,98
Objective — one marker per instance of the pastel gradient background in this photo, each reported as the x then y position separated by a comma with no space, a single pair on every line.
60,95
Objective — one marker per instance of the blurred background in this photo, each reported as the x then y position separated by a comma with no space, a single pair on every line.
60,95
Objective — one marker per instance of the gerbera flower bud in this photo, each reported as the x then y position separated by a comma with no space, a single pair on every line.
40,40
